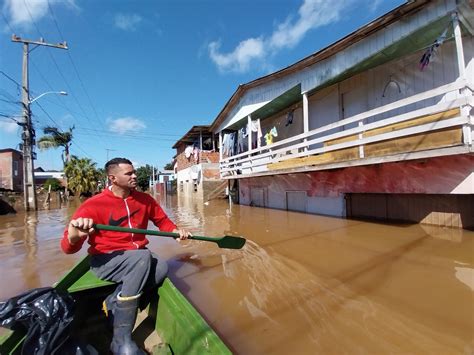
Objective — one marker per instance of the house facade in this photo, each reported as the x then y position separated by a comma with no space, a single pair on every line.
41,176
197,164
378,124
11,170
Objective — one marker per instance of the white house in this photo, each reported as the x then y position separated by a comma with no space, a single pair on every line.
378,124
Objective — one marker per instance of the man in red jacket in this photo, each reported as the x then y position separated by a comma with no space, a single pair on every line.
118,256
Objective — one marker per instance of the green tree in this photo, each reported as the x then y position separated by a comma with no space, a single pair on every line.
82,175
169,166
144,174
55,184
54,138
102,178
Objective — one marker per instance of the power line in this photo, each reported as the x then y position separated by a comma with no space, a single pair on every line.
47,114
76,145
71,92
6,21
150,134
10,78
74,66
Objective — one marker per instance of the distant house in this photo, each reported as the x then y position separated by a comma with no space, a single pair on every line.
163,184
11,169
41,176
197,164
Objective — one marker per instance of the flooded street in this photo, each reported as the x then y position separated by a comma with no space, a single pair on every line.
303,284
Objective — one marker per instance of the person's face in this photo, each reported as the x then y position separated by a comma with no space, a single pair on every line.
124,176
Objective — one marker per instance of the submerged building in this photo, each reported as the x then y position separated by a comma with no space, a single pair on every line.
197,165
378,124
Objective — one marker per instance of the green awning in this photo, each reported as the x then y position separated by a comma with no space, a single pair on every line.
416,41
420,39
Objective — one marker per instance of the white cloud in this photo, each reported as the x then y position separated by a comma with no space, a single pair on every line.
127,22
8,127
238,60
126,125
312,14
23,12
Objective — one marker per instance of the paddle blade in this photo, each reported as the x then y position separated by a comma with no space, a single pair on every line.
231,242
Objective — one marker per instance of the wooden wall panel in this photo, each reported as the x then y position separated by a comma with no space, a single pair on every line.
454,211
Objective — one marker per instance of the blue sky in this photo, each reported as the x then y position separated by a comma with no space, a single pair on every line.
140,74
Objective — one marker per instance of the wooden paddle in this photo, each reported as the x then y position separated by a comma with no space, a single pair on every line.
227,241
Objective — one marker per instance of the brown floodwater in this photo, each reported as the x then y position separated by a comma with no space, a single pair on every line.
303,284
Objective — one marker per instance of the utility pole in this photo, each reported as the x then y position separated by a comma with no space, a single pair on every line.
28,135
109,150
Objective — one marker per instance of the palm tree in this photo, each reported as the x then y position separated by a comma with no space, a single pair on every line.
54,138
82,175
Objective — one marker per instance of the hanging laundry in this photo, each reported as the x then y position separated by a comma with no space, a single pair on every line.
269,136
196,154
227,144
274,132
255,127
240,141
233,143
244,132
188,151
431,51
289,118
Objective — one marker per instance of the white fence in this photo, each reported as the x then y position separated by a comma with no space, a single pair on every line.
313,142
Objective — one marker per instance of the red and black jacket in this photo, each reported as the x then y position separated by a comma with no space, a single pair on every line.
132,212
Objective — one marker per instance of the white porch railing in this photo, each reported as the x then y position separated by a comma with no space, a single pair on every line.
317,142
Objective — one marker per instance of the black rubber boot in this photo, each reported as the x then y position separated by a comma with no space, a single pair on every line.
125,315
109,304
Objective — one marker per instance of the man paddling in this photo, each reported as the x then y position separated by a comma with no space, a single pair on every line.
117,256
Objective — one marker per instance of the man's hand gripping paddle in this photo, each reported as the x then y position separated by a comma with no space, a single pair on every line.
227,241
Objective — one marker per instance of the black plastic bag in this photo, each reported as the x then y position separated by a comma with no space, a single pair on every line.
44,313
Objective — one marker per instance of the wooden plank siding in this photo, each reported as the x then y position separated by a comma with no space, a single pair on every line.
432,140
454,211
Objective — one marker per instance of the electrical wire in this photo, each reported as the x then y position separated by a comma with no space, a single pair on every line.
74,66
71,92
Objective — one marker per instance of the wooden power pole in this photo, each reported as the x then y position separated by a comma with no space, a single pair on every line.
28,135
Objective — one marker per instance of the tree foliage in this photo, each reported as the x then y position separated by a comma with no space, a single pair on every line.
169,166
144,174
82,175
55,184
54,138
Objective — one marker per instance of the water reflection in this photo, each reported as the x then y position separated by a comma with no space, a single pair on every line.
302,284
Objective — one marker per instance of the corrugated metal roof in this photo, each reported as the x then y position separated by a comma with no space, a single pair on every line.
193,134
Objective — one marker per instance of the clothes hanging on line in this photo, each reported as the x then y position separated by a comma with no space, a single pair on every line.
431,51
188,151
269,136
289,118
229,144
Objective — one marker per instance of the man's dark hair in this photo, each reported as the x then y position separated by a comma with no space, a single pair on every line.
115,162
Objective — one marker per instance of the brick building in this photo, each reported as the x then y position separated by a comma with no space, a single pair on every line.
11,169
197,164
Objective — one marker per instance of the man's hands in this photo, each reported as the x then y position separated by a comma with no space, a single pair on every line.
79,228
183,234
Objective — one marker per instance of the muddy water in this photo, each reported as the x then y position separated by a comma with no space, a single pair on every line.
303,284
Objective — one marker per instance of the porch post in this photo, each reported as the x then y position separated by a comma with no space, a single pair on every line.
459,48
249,131
220,146
305,116
465,109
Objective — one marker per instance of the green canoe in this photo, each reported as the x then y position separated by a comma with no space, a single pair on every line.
174,325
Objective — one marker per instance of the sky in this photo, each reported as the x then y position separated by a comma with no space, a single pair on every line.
140,73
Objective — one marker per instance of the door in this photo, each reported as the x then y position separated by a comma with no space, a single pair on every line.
296,201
